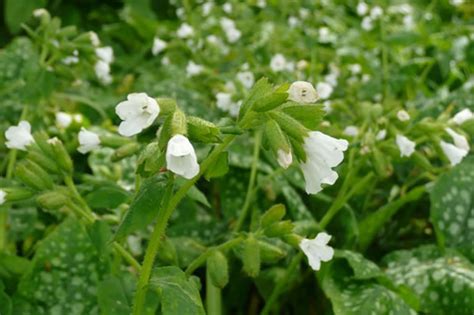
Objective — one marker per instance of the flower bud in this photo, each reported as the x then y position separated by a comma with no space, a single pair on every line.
251,257
279,229
167,105
202,130
291,126
167,252
278,142
41,139
272,215
32,175
40,158
178,123
52,200
270,253
113,141
218,269
270,102
17,194
61,155
125,151
150,160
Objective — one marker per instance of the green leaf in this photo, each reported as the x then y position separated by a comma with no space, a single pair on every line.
220,167
259,90
195,194
5,301
65,273
445,284
452,208
19,11
309,116
113,296
179,295
109,196
363,268
101,236
144,207
359,298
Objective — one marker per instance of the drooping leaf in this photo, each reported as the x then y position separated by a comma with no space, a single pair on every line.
452,208
144,207
445,284
179,295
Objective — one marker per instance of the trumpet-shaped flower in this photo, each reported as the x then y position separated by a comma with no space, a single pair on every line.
63,120
405,145
106,54
19,137
3,197
317,250
403,115
138,112
88,141
193,69
181,158
302,92
322,154
453,153
324,90
102,71
459,140
158,46
185,31
463,116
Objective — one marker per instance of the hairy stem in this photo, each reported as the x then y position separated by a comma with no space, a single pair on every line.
253,175
162,221
213,297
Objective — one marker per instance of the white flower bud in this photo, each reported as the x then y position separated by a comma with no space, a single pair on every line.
63,120
302,92
158,46
181,158
405,145
453,153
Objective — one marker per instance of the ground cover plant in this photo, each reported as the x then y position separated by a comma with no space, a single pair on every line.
236,157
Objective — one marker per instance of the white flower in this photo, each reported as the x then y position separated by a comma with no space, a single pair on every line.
69,60
293,21
94,38
37,13
317,250
261,4
284,158
181,158
302,92
463,116
381,135
105,54
158,46
402,115
351,131
302,64
3,197
235,109
206,8
362,8
78,118
63,120
324,90
193,69
102,71
325,35
278,63
246,78
88,141
459,140
227,7
19,137
224,101
367,23
376,12
322,153
405,145
185,31
454,154
233,35
355,68
138,112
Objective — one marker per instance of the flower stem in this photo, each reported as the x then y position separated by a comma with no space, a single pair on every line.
270,303
253,175
213,297
159,229
196,263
